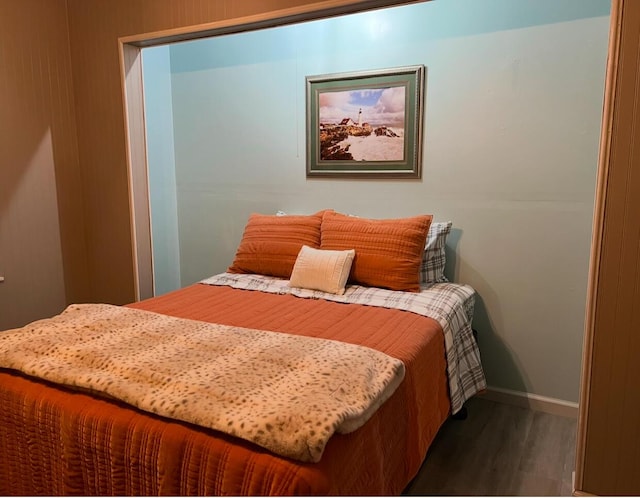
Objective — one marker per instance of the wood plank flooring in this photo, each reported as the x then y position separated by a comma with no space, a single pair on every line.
500,450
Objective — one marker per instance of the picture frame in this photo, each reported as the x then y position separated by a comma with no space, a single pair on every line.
365,124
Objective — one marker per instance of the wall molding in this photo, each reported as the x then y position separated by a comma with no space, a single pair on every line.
302,13
545,404
581,493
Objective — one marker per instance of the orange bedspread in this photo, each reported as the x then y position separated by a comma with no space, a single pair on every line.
57,441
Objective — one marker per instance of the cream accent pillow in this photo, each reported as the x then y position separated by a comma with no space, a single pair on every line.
326,271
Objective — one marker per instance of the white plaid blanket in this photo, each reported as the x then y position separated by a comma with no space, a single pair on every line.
450,304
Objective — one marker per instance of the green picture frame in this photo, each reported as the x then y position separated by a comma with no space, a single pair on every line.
366,124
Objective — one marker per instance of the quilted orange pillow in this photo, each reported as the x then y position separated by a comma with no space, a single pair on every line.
388,252
270,244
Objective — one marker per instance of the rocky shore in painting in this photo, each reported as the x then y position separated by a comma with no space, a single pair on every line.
336,146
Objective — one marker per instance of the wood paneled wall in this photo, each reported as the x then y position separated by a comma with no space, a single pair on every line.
608,454
42,245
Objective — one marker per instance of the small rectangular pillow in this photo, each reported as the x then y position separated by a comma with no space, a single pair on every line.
388,252
270,244
325,271
433,261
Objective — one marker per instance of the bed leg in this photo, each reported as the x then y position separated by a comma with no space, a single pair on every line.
460,415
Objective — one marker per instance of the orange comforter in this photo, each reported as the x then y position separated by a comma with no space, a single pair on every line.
57,441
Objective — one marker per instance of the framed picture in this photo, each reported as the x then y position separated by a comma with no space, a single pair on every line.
366,124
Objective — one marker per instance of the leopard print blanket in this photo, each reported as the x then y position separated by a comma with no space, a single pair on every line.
284,392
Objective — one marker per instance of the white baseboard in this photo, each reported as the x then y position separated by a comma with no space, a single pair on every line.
532,401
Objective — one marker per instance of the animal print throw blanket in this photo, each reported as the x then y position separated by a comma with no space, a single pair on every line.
284,392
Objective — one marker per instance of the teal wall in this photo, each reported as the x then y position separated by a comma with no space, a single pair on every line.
514,92
156,64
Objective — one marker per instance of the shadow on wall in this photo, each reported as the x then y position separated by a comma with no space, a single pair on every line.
31,256
493,349
42,238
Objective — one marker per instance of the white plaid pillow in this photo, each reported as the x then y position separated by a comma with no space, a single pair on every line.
433,259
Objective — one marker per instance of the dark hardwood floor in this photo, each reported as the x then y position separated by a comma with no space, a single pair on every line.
500,450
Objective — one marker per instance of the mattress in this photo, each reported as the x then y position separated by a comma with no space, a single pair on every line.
56,440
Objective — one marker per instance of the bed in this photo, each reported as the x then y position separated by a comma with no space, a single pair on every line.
63,437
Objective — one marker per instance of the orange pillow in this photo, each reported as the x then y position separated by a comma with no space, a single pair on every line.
270,244
388,252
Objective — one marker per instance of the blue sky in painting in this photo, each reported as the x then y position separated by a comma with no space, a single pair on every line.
375,106
366,97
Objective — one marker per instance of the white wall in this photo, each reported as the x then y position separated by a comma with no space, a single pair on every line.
513,108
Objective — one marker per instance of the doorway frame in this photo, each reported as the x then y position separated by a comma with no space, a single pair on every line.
131,79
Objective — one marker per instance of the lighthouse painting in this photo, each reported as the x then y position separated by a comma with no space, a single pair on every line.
367,123
363,125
